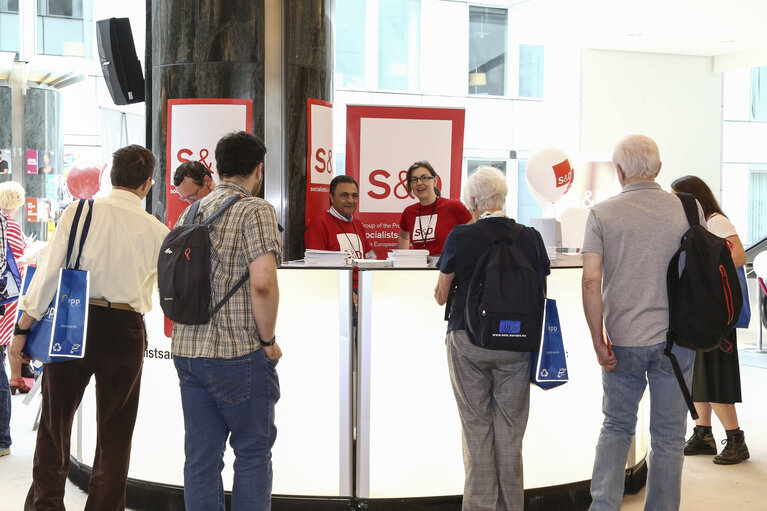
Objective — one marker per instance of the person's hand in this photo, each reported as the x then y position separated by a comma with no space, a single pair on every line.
19,341
605,355
272,352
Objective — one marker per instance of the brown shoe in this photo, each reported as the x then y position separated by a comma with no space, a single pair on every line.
735,451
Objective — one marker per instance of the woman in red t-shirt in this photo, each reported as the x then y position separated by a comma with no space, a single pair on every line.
426,224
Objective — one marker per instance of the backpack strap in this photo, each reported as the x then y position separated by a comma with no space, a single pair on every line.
690,208
83,235
189,219
220,211
208,221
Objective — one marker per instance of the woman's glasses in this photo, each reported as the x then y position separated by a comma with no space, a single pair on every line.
423,179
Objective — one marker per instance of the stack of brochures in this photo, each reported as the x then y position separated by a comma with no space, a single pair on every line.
324,258
409,258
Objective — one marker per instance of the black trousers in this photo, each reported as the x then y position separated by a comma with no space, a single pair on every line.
114,354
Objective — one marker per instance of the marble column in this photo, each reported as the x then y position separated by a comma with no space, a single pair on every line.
203,49
309,74
218,49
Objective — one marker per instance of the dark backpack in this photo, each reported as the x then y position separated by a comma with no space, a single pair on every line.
704,296
183,270
505,296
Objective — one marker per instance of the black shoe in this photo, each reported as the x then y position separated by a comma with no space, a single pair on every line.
701,442
735,451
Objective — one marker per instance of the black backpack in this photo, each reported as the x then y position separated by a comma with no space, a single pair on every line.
505,296
704,296
183,270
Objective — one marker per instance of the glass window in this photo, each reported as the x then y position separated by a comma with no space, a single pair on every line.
64,27
473,165
487,50
757,203
66,8
9,5
759,94
527,205
350,43
530,71
399,44
9,32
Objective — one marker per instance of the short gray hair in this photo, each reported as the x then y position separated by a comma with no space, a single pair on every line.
487,187
638,156
11,195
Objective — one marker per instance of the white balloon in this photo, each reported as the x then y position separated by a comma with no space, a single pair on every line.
760,265
549,174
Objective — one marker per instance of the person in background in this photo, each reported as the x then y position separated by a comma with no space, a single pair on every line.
5,391
491,387
46,168
716,373
227,367
426,224
121,256
337,229
629,240
193,181
11,199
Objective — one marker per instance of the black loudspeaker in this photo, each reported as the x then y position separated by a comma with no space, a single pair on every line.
119,63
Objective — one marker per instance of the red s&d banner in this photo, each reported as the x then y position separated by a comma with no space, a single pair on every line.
381,143
320,165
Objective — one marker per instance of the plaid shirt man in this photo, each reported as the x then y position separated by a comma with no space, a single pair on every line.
246,231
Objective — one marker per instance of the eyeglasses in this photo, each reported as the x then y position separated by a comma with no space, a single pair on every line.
423,179
190,198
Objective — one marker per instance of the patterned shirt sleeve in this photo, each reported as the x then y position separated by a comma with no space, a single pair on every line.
260,233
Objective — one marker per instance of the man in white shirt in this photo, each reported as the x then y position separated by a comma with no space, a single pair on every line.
120,253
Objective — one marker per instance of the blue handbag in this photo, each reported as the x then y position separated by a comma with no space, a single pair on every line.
549,365
61,334
10,280
745,313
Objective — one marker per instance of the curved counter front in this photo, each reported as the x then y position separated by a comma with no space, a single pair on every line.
370,420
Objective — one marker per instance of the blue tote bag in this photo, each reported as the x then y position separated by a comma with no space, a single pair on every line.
10,280
745,313
549,365
60,335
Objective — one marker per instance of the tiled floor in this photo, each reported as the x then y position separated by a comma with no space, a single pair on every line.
705,486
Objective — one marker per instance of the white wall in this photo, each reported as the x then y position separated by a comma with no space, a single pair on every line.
676,100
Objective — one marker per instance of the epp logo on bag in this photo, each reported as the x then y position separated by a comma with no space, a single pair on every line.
73,302
51,312
75,348
561,373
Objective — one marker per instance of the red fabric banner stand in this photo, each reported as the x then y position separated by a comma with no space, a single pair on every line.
195,125
320,165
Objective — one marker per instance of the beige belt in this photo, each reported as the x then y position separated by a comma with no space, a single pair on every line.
110,305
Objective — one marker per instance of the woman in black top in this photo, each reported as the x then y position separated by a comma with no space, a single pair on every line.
491,387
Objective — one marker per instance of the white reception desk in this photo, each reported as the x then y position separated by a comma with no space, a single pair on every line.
375,419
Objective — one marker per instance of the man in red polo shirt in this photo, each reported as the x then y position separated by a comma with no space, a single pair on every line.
337,229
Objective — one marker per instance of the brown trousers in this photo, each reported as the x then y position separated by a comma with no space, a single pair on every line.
114,353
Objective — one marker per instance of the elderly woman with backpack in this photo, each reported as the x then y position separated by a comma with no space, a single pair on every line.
716,373
491,386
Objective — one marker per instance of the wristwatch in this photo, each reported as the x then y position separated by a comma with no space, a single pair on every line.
17,330
268,343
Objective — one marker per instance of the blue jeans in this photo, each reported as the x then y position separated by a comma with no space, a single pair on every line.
228,398
623,388
5,405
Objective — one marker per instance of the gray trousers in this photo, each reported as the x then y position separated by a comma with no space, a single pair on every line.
492,390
